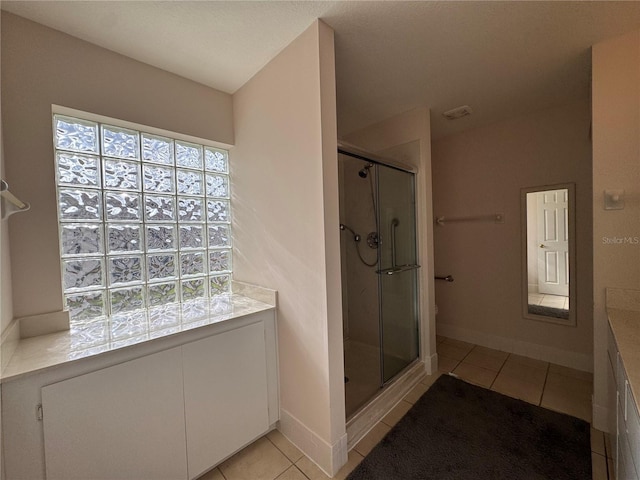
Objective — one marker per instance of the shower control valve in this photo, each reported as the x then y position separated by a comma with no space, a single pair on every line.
373,240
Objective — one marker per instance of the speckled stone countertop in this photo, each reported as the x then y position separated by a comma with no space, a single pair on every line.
108,334
623,310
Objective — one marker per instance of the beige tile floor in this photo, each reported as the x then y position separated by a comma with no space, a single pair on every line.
558,388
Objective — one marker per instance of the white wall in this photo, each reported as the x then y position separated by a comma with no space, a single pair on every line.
41,67
407,138
286,236
616,165
481,172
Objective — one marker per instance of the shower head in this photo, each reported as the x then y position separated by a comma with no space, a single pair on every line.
365,171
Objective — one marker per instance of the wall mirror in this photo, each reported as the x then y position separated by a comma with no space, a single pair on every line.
548,253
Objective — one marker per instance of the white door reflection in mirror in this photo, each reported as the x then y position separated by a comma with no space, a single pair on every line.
548,243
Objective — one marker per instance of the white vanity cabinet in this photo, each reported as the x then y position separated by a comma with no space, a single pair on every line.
169,410
627,438
225,395
125,421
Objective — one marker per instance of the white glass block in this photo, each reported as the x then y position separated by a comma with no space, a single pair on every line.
159,208
166,314
218,211
121,175
161,294
158,179
124,238
193,289
75,134
220,284
219,236
161,267
189,182
189,209
126,299
216,160
126,325
82,273
81,239
220,261
218,186
87,334
85,305
194,309
191,236
157,149
78,170
120,142
188,155
161,237
125,269
192,263
80,205
123,206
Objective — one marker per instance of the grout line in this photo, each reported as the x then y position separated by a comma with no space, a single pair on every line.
289,468
303,474
280,450
544,385
499,371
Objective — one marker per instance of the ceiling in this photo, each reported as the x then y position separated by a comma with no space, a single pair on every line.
501,58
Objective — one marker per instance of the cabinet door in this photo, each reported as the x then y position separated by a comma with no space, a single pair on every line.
633,427
225,390
122,422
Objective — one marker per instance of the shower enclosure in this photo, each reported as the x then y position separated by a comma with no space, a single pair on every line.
379,274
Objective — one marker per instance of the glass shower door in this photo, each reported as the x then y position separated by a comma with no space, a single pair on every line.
397,273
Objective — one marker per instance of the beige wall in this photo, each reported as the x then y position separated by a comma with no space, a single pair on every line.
616,165
286,236
407,138
41,67
481,172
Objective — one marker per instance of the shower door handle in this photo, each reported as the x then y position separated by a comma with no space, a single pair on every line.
400,269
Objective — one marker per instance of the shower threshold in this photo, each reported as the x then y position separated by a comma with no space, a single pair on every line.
364,419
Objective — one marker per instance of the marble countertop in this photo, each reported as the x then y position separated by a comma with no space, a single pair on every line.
108,334
623,310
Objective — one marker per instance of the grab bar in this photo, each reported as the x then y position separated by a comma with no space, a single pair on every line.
448,278
394,224
399,269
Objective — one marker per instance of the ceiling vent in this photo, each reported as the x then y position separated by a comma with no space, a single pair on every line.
458,112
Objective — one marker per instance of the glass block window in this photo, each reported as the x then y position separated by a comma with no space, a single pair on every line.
144,219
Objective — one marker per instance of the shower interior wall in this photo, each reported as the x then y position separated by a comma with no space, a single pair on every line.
360,284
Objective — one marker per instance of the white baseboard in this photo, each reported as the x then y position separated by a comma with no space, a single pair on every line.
329,458
579,361
431,364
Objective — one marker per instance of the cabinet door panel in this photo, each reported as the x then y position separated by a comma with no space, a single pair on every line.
225,387
122,422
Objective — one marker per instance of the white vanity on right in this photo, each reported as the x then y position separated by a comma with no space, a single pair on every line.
623,310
